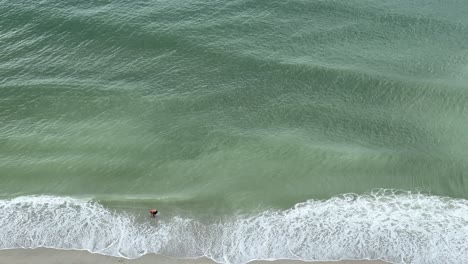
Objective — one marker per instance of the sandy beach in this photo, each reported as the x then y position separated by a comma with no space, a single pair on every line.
53,256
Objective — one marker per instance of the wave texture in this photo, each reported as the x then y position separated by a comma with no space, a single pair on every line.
400,227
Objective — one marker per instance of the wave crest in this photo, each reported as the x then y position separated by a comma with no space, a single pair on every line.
400,227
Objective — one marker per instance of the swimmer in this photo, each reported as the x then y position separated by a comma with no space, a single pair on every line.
153,213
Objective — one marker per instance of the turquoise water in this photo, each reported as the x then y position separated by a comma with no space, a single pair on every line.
237,116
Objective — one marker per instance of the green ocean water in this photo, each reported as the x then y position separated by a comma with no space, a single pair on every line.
213,107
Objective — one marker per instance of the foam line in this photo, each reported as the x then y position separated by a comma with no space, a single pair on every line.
400,227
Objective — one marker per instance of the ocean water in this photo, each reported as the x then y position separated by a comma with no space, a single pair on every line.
310,130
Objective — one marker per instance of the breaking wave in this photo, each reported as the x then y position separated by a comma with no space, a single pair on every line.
401,227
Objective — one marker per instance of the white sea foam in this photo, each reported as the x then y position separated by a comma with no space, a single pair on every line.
394,226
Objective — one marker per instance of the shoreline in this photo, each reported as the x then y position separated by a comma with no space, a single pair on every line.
53,256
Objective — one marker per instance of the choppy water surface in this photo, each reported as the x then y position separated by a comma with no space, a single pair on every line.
231,115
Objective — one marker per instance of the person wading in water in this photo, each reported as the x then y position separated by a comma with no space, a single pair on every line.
153,213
